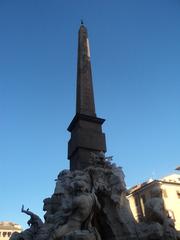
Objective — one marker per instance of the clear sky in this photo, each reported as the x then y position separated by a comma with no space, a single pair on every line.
135,54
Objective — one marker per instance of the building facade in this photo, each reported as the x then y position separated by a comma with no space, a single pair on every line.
7,228
170,189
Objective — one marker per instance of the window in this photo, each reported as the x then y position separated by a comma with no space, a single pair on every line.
164,193
143,199
178,194
9,234
136,201
4,234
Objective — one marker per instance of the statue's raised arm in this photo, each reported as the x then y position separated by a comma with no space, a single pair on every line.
27,211
35,220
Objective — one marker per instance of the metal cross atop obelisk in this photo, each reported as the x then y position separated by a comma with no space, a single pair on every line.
85,128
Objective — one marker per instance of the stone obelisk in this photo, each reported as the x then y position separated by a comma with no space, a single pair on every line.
86,128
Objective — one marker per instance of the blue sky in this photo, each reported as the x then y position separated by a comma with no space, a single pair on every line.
135,54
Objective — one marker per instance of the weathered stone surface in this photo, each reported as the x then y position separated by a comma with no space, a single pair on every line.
91,204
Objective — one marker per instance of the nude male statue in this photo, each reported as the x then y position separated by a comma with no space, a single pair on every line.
80,211
34,222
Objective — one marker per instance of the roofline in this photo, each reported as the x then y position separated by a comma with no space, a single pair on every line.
142,186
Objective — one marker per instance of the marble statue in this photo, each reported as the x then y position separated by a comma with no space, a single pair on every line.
91,204
35,223
154,207
80,212
155,212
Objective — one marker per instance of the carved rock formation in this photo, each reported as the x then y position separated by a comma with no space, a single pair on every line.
91,204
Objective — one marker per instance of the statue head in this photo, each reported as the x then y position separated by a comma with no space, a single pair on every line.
101,155
82,178
63,173
80,186
156,192
47,204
